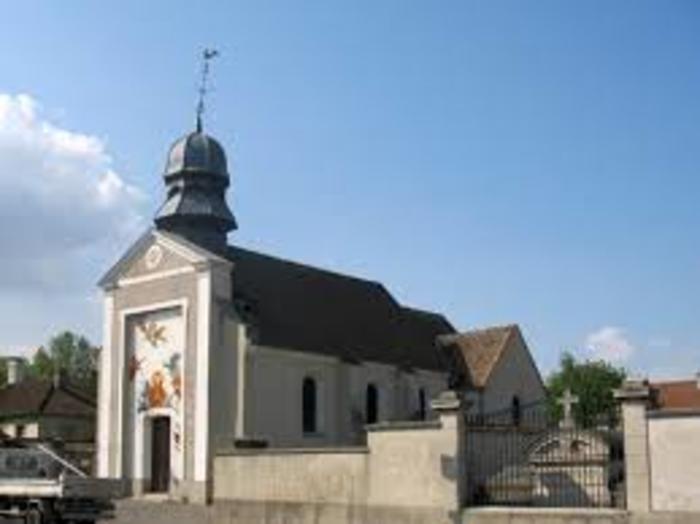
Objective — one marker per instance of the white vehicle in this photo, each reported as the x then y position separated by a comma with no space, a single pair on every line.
39,486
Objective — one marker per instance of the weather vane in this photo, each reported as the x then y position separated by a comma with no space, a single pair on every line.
207,55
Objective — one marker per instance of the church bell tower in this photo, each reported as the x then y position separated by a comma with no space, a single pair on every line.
196,179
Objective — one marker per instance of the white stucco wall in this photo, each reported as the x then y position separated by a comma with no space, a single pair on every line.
273,400
515,375
224,380
273,403
674,454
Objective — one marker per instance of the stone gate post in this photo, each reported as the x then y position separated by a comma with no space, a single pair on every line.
449,407
634,397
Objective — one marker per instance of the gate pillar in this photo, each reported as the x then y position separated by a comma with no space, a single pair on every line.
449,407
634,397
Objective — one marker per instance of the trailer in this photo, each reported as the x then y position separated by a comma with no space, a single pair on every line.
40,487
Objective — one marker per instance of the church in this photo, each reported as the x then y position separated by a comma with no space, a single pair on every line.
207,344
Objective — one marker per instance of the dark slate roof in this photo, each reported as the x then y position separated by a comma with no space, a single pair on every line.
32,397
420,330
198,153
295,306
196,203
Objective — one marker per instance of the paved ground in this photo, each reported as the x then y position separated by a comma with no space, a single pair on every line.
139,512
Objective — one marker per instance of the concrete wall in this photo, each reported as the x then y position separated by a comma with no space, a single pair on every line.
414,467
405,466
246,512
674,454
544,516
333,476
141,512
573,516
662,458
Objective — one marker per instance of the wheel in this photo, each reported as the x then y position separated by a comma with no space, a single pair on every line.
33,516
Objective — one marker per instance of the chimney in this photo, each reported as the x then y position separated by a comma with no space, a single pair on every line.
697,379
15,370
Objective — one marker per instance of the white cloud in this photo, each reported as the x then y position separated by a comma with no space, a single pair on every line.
610,343
61,203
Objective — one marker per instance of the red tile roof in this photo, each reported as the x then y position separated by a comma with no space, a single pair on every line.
482,349
679,394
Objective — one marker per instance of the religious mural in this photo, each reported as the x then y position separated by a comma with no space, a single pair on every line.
155,369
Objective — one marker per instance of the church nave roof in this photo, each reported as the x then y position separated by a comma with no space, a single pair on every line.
304,308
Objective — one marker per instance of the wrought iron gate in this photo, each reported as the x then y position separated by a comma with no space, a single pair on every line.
524,456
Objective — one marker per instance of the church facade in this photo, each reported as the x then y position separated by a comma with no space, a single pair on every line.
207,345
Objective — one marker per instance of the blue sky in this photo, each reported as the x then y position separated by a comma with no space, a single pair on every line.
528,161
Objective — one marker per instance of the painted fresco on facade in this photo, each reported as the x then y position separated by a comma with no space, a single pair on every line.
155,367
155,371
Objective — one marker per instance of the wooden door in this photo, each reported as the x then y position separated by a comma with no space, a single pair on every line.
160,454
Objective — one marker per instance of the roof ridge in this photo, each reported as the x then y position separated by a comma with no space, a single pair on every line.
420,311
75,392
498,327
47,395
305,265
504,346
673,381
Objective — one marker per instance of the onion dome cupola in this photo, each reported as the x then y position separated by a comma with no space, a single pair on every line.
196,179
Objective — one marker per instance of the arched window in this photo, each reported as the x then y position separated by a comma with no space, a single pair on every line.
515,410
308,405
422,410
372,404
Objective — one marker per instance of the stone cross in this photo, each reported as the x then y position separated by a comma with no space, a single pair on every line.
568,401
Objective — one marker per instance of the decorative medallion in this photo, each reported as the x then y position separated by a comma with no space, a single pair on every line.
154,255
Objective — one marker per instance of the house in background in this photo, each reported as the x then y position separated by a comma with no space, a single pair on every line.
498,371
676,395
50,411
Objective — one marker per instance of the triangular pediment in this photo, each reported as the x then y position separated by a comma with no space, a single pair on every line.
158,254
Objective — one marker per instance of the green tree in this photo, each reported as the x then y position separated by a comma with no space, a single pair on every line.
69,354
592,381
